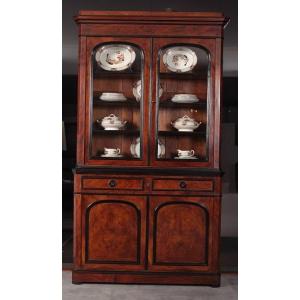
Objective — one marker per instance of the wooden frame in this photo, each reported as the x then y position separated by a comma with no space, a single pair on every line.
125,209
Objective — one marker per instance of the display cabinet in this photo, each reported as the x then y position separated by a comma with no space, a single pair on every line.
147,193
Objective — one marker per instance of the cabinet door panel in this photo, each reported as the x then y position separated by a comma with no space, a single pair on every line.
113,232
181,98
181,233
110,96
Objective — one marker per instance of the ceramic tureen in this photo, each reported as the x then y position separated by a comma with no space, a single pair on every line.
111,122
185,123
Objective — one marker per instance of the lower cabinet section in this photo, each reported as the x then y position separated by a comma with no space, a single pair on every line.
146,239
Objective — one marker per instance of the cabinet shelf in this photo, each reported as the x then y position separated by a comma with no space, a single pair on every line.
183,76
182,133
170,104
116,74
115,132
129,102
125,157
198,158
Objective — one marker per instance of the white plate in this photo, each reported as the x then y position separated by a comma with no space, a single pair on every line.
115,57
184,98
186,157
137,88
112,156
135,149
112,97
180,59
161,149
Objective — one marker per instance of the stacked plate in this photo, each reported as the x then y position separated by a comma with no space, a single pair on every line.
112,97
184,98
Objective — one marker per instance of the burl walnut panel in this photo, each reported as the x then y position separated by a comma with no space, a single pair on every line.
105,183
114,231
180,234
164,184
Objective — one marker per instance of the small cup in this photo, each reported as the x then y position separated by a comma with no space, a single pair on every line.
112,151
185,153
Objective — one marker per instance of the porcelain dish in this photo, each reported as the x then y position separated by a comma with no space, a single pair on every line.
185,157
112,97
111,122
185,123
180,59
111,156
184,98
112,151
135,149
115,57
185,153
137,88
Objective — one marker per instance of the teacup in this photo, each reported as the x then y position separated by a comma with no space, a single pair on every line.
112,151
185,153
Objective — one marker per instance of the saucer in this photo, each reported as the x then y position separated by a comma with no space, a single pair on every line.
185,157
112,156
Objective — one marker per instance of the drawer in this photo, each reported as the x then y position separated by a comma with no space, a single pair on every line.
110,183
182,185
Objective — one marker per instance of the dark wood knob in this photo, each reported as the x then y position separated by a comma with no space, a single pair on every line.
112,183
182,184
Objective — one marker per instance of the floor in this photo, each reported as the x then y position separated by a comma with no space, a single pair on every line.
227,291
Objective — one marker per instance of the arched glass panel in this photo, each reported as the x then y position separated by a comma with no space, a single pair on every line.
117,102
182,97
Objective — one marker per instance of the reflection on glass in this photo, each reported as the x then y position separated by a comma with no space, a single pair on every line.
117,102
183,75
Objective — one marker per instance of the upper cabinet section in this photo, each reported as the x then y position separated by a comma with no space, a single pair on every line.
149,89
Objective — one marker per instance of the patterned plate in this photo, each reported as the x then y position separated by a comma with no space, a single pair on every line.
115,57
180,59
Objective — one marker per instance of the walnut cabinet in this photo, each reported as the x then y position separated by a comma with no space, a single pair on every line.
147,194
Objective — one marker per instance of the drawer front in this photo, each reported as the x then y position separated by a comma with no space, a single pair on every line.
111,183
182,185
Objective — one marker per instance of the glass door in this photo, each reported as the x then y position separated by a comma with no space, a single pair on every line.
116,118
182,102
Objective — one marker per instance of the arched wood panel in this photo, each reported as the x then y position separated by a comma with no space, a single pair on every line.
114,228
181,233
113,232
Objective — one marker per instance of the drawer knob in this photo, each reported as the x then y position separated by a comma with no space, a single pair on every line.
182,184
112,183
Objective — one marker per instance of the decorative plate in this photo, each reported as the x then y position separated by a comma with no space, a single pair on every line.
180,59
115,57
135,149
161,149
137,87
